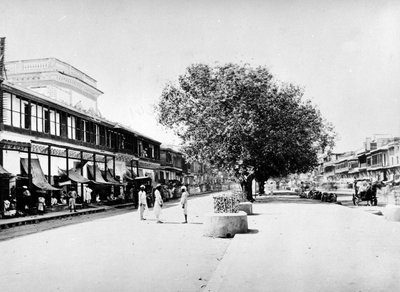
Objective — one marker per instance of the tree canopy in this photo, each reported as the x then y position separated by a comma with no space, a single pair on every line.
237,115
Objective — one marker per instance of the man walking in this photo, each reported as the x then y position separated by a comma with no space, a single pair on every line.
158,203
184,201
142,201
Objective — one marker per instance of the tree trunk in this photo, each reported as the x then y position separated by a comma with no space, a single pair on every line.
243,185
249,191
261,189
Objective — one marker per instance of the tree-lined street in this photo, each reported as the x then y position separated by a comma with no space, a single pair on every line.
273,124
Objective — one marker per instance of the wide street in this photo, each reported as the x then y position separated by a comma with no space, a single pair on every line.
293,245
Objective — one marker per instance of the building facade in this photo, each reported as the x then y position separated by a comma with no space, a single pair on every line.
50,142
172,162
379,159
53,139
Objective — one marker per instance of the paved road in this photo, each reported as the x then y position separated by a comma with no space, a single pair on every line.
118,253
293,245
304,245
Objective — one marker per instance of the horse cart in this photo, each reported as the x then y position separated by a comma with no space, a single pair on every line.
365,191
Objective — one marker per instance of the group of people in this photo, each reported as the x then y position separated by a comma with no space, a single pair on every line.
158,202
25,203
71,196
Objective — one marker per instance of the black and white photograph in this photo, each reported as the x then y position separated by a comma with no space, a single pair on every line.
208,146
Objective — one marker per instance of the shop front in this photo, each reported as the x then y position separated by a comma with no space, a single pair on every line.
149,169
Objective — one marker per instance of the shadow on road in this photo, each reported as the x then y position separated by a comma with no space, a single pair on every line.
252,231
279,199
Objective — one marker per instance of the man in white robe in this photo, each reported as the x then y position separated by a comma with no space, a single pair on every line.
142,201
158,203
184,202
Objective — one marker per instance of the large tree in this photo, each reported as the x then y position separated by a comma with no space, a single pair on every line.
239,118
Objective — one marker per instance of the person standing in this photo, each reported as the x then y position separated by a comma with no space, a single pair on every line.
158,203
72,200
142,201
87,195
184,202
26,195
41,204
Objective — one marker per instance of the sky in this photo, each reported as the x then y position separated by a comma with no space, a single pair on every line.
346,54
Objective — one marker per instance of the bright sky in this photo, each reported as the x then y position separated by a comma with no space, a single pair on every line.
345,53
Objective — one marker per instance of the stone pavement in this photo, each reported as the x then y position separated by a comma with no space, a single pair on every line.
293,245
301,245
119,253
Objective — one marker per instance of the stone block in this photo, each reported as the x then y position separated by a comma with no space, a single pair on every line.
225,224
246,207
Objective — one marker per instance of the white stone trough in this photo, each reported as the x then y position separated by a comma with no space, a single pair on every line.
246,207
225,224
392,213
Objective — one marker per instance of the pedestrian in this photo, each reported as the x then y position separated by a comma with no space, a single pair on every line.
41,204
87,195
72,199
26,198
142,201
184,202
158,203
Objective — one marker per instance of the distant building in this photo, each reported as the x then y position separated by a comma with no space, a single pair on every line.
379,160
172,163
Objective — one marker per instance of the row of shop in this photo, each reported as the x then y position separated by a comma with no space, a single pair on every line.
53,139
50,171
379,160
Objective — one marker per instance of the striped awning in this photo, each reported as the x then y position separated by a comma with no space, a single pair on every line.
111,179
75,175
3,171
38,178
99,178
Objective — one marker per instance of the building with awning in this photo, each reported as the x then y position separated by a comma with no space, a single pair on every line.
4,186
60,126
111,179
129,176
74,175
96,176
38,178
4,172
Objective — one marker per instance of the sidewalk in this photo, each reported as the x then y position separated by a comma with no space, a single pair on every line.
305,246
31,219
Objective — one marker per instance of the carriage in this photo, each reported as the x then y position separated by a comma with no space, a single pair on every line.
365,190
